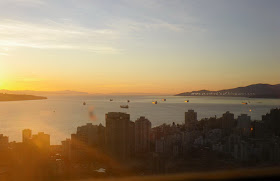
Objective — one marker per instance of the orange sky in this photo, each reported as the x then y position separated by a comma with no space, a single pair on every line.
172,47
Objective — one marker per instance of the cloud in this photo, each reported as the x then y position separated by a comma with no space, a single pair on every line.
148,26
3,51
26,2
3,54
68,35
163,15
55,35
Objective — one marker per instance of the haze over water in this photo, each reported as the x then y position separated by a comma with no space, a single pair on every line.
60,116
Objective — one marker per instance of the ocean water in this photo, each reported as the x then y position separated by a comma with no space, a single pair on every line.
59,116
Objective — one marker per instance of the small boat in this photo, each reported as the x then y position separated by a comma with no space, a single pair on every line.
111,99
163,99
128,100
84,103
124,106
154,102
187,101
244,103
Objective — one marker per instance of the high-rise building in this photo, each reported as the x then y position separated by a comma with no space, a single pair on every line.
87,137
66,149
4,142
190,117
227,120
131,133
87,134
244,124
76,148
142,135
41,141
118,132
91,135
26,135
260,130
101,136
272,122
227,115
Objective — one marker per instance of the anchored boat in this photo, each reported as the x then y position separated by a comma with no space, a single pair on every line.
124,106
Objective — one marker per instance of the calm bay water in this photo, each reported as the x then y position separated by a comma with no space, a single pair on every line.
59,116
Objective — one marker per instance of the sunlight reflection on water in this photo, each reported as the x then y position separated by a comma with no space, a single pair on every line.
59,116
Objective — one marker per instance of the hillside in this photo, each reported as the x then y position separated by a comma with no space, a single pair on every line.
252,91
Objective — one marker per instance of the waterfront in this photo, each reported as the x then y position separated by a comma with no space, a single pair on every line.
59,116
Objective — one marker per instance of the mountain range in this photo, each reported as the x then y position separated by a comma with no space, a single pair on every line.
251,91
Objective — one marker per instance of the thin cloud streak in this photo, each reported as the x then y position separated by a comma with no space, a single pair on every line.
154,25
4,54
27,2
68,35
53,35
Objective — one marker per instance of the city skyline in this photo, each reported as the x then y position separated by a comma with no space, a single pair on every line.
124,148
122,120
138,46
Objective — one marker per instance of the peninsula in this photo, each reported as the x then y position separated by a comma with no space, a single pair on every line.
19,97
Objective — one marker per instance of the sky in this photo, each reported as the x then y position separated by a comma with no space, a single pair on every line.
145,46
